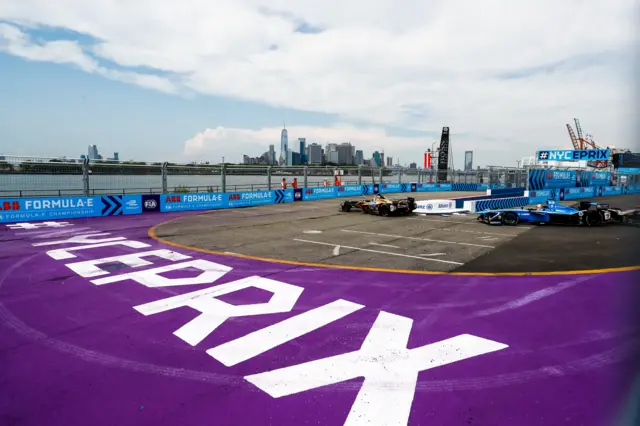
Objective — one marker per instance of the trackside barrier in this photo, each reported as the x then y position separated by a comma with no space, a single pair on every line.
57,208
496,203
60,208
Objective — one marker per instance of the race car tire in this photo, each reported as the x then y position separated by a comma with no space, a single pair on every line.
365,210
510,219
383,210
346,207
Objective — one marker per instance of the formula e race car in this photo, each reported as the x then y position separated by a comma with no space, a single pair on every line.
381,205
584,213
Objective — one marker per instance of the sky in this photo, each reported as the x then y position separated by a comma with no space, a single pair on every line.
199,80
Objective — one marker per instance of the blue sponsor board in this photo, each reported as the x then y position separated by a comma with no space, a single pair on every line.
588,178
611,190
185,202
433,187
59,208
319,193
390,187
576,193
544,179
258,198
352,190
541,196
571,155
630,170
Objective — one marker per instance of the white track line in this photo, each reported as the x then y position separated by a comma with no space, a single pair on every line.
383,245
478,232
378,251
418,239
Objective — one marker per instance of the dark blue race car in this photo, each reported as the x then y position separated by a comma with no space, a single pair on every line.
584,213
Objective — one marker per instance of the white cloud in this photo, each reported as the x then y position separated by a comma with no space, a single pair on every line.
414,65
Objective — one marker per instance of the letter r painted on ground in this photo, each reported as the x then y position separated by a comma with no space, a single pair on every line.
214,312
389,368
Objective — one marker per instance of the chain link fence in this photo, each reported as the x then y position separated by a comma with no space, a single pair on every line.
33,177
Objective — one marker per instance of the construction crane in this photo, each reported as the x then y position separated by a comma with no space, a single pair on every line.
574,140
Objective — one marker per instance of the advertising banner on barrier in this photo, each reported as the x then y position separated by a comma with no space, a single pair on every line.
571,155
258,198
352,191
151,203
223,200
185,202
541,196
611,190
319,193
433,187
394,187
57,208
545,179
589,178
576,193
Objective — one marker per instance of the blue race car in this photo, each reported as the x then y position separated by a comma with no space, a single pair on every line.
584,213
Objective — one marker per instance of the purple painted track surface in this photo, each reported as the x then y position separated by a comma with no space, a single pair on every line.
76,353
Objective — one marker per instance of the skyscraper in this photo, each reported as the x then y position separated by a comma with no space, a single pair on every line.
284,144
272,155
377,159
315,154
303,142
359,157
468,161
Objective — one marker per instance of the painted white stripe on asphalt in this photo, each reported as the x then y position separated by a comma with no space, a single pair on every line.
383,245
378,251
417,239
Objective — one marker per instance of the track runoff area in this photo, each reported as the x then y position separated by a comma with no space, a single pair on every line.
179,319
317,233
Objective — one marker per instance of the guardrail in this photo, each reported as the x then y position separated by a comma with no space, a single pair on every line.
69,207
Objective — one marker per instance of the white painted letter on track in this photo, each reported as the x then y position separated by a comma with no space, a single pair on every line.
210,272
214,312
260,341
90,268
390,370
65,253
82,239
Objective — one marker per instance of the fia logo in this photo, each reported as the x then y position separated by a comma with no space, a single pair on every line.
150,204
297,195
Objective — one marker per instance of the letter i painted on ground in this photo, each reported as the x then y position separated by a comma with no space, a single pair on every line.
389,368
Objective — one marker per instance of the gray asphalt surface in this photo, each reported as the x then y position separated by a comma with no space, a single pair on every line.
317,232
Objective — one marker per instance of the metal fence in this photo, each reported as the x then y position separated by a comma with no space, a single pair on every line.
29,176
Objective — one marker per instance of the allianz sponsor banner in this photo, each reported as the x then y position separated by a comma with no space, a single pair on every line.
319,193
433,187
56,208
574,155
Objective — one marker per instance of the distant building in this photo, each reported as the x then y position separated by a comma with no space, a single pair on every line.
468,161
389,161
359,157
303,143
93,153
315,154
272,155
289,158
284,145
382,159
376,159
333,157
413,165
344,154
